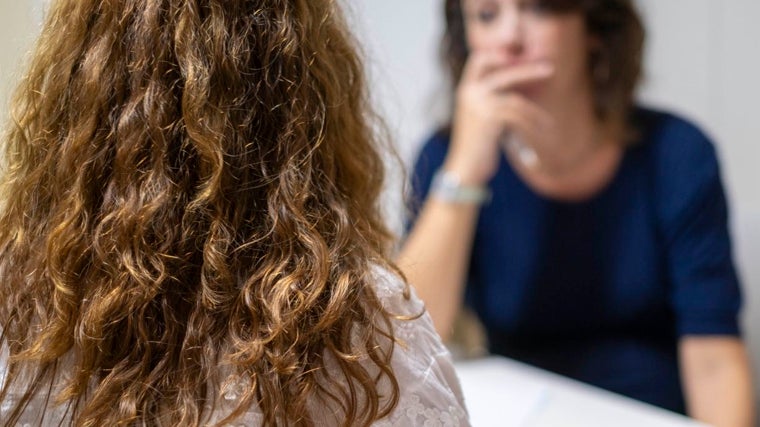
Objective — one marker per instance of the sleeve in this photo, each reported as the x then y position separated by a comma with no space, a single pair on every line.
429,390
428,161
430,393
705,293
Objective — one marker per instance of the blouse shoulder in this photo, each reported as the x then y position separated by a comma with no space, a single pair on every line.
430,393
429,390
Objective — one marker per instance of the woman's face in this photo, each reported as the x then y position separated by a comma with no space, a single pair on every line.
523,31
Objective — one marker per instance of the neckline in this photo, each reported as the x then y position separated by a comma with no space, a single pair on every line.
608,187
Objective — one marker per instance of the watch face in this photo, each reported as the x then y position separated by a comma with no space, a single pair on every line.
450,181
448,187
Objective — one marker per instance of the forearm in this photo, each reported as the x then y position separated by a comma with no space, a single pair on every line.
435,258
718,381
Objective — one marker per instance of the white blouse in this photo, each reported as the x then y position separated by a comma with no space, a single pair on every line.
430,394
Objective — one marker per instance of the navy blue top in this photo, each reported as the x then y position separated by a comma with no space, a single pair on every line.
601,290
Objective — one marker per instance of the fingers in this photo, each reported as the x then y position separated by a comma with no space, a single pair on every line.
524,117
527,110
504,79
490,102
480,63
493,69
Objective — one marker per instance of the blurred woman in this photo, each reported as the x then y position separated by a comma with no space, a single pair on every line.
589,234
189,232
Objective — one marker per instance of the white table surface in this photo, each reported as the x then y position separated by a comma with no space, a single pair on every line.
505,393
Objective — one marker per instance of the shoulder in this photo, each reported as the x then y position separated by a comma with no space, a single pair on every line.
393,292
421,366
430,390
686,176
675,142
411,322
683,157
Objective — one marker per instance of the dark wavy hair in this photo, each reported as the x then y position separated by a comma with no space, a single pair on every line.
189,183
615,68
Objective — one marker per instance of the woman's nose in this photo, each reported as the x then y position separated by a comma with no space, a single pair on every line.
511,32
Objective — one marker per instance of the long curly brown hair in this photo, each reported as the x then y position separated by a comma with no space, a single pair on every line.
187,184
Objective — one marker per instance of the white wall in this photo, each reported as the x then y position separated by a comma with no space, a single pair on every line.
18,26
703,61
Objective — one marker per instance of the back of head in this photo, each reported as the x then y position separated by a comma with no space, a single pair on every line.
190,183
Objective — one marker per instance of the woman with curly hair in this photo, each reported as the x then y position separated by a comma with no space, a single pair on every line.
189,232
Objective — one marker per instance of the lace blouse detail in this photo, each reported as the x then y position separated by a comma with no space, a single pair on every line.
414,412
234,387
430,394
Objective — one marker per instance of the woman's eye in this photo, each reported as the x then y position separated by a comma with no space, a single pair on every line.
485,15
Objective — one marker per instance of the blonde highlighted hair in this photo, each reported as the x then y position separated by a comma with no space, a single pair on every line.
189,183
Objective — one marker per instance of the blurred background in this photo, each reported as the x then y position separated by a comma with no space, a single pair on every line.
702,61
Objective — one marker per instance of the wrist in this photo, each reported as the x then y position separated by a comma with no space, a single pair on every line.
467,175
450,187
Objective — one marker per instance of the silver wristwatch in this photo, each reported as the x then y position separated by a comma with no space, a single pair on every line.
448,187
